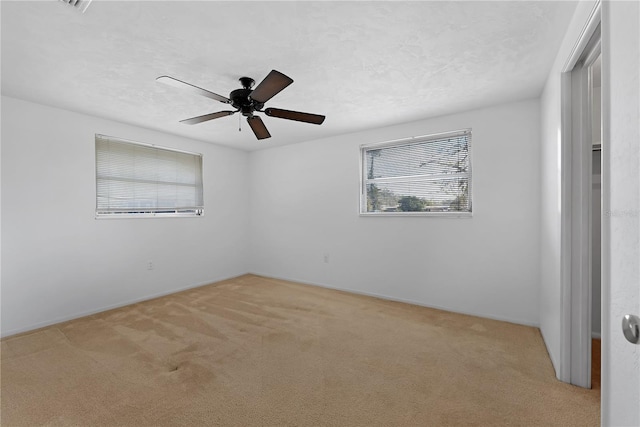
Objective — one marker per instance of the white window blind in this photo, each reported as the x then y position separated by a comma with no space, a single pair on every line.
144,180
422,175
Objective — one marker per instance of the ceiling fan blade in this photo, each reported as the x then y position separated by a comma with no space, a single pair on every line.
258,127
270,86
195,89
316,119
200,119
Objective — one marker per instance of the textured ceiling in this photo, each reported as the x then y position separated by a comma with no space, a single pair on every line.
362,64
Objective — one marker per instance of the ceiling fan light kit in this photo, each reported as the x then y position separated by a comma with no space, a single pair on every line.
248,101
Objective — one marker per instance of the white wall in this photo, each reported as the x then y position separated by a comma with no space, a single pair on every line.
550,198
304,203
0,216
59,262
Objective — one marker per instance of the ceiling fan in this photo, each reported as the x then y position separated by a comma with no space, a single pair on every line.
248,101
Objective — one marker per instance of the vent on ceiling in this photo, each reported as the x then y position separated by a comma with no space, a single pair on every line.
81,5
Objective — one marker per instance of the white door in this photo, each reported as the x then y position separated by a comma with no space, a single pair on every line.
621,210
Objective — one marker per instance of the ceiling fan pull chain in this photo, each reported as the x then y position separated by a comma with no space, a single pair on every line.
239,123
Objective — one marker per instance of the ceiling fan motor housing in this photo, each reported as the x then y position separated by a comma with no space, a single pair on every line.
240,98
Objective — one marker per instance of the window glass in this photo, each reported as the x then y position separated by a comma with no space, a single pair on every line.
145,180
421,175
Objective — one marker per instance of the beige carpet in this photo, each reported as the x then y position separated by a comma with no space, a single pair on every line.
261,352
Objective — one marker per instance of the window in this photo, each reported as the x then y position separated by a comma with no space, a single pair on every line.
428,175
134,179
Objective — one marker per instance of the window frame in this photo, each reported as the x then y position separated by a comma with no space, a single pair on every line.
129,214
364,148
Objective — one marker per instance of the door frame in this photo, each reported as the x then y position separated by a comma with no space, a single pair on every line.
575,255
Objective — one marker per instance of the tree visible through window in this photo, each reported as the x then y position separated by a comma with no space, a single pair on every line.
419,175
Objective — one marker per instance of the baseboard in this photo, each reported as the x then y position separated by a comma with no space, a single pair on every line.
554,362
78,315
403,300
47,323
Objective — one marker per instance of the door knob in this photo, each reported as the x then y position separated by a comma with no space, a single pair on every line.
631,328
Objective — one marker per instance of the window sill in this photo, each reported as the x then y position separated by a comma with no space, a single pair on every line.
147,215
419,214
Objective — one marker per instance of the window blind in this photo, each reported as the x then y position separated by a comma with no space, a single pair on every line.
426,174
134,178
